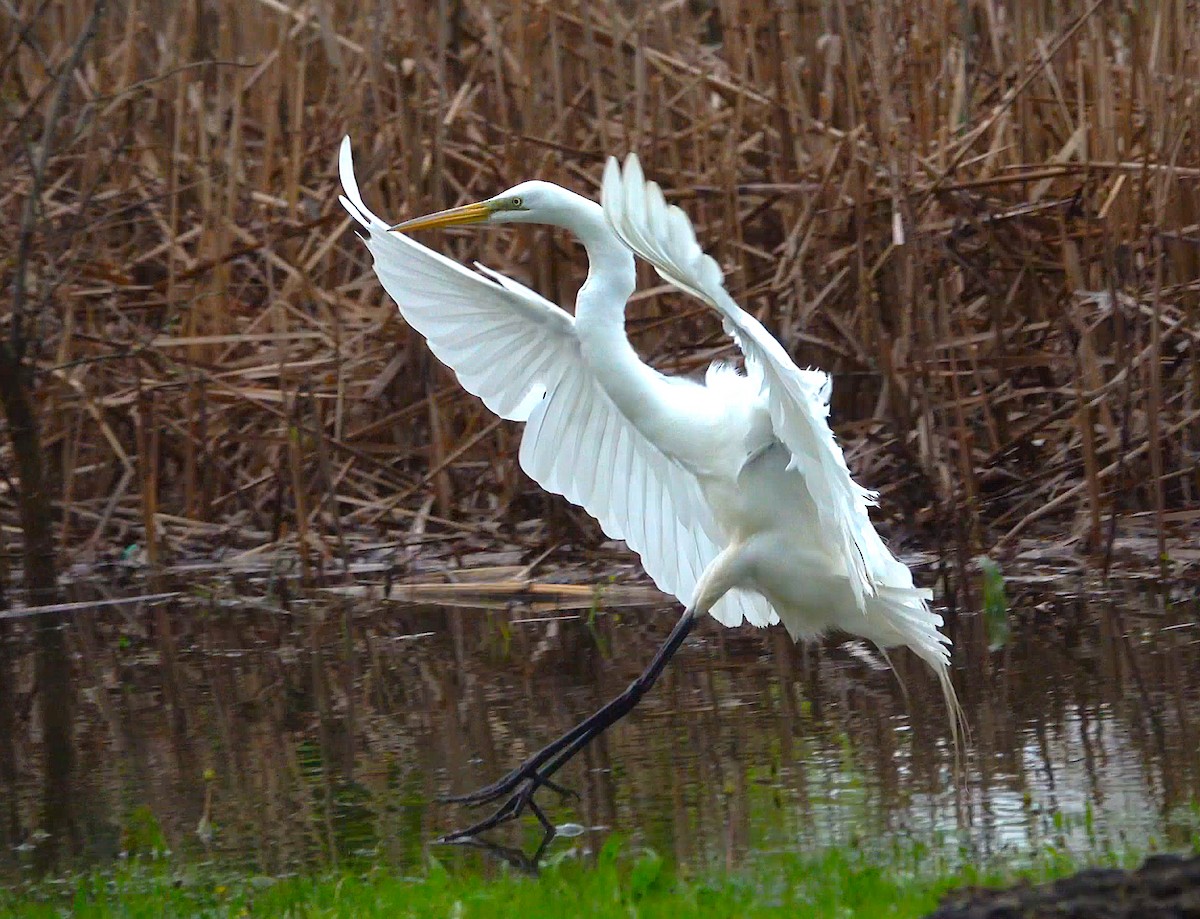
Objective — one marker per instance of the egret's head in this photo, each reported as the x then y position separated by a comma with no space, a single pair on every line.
529,202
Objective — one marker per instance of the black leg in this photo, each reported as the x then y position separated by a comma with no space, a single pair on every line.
523,781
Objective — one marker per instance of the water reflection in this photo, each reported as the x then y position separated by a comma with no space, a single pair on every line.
323,732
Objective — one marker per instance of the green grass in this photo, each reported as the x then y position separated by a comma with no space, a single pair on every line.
907,881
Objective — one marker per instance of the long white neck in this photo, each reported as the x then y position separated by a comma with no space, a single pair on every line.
600,315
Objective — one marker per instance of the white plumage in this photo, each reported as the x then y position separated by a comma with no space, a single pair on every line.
733,491
890,610
511,347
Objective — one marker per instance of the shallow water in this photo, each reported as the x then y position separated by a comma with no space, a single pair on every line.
242,730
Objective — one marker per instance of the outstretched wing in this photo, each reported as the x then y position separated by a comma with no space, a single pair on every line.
798,400
519,353
506,344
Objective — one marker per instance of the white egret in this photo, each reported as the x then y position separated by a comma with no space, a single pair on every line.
732,490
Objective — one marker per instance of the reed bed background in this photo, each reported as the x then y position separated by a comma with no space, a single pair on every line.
982,217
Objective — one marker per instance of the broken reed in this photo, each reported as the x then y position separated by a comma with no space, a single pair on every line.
981,216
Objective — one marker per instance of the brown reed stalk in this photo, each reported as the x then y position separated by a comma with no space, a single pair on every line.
982,217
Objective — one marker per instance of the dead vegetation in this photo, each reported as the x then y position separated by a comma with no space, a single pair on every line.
982,216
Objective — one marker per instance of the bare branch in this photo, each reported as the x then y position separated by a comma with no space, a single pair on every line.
40,159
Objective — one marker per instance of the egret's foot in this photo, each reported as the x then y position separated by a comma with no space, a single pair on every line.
517,804
526,772
511,809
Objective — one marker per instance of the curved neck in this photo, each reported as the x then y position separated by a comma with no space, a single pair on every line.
611,273
600,315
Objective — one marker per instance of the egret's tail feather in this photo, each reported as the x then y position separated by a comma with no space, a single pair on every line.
901,616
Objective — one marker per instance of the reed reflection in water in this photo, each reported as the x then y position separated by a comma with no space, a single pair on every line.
323,733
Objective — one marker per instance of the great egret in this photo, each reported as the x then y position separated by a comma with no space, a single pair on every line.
733,490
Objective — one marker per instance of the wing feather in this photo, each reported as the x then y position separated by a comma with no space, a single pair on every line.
622,472
606,443
584,470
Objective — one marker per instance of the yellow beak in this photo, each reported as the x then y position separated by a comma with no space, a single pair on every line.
455,216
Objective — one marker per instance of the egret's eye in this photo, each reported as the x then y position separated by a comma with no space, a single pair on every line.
517,202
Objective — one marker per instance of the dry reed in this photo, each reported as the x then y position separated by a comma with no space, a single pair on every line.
982,216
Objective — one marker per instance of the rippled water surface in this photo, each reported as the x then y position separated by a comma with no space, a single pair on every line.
325,729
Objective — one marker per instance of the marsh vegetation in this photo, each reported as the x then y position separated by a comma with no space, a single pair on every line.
981,217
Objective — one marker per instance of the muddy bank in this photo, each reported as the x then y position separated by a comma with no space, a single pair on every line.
1164,887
